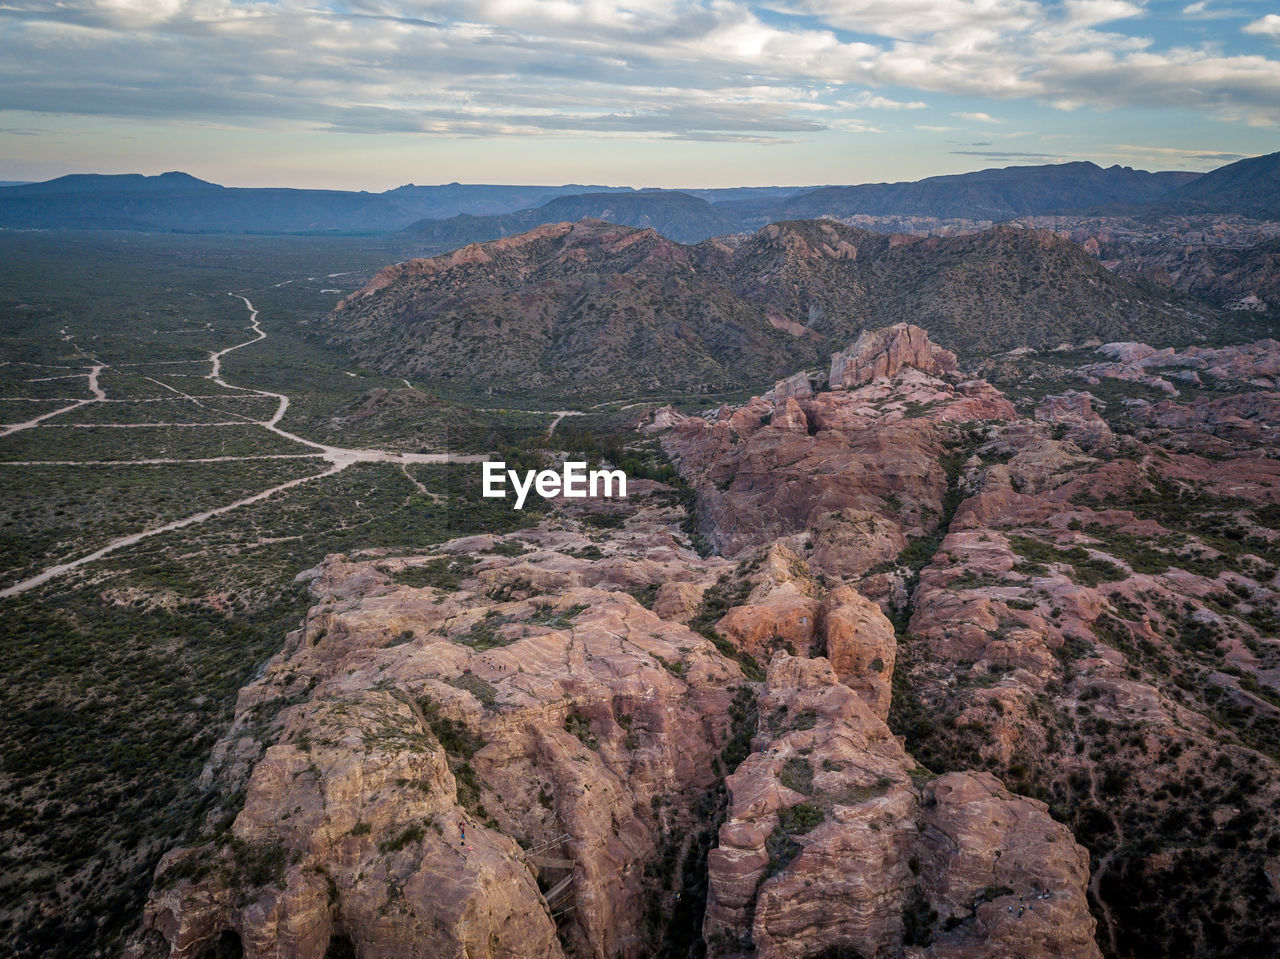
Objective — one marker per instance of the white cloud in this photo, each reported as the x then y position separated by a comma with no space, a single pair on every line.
1268,26
1203,11
875,102
685,68
1092,12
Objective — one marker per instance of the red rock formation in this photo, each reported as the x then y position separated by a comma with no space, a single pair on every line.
1095,629
861,646
829,844
581,719
884,352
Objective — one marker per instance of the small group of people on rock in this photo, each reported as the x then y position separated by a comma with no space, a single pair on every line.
462,833
1023,905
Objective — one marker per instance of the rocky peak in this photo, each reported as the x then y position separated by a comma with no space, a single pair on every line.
879,353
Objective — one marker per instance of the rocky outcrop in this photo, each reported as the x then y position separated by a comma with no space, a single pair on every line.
1060,626
829,844
1087,612
1098,619
1256,364
781,612
848,542
1246,421
446,770
1082,425
856,468
980,847
884,352
860,645
797,386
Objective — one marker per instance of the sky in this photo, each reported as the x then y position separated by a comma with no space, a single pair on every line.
372,94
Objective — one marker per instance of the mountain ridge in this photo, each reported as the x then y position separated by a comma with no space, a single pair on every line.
180,202
595,307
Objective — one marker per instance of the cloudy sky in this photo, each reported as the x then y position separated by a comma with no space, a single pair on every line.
370,94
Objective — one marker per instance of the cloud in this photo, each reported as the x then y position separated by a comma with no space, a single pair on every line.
707,69
876,102
1203,11
1268,26
1090,12
1006,155
1165,157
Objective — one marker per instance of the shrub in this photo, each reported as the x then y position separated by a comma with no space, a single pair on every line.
918,917
454,736
411,834
802,818
483,634
444,572
580,726
481,689
797,774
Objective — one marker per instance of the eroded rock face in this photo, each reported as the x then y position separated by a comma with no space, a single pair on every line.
577,722
1082,425
1097,624
1086,615
1085,627
980,847
860,645
884,352
858,468
830,844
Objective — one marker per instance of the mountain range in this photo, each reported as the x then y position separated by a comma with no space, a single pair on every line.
1250,187
441,217
593,308
178,202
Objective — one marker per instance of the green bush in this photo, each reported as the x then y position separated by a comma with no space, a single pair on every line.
801,818
797,774
410,834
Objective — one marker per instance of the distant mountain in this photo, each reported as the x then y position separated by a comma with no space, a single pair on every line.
597,309
182,203
727,194
451,215
452,199
997,194
1249,187
5,183
80,184
676,215
994,195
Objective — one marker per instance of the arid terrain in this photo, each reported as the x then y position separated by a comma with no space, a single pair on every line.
942,618
899,664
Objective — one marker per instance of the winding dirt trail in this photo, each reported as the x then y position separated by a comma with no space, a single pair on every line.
334,454
37,420
338,457
132,538
561,414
